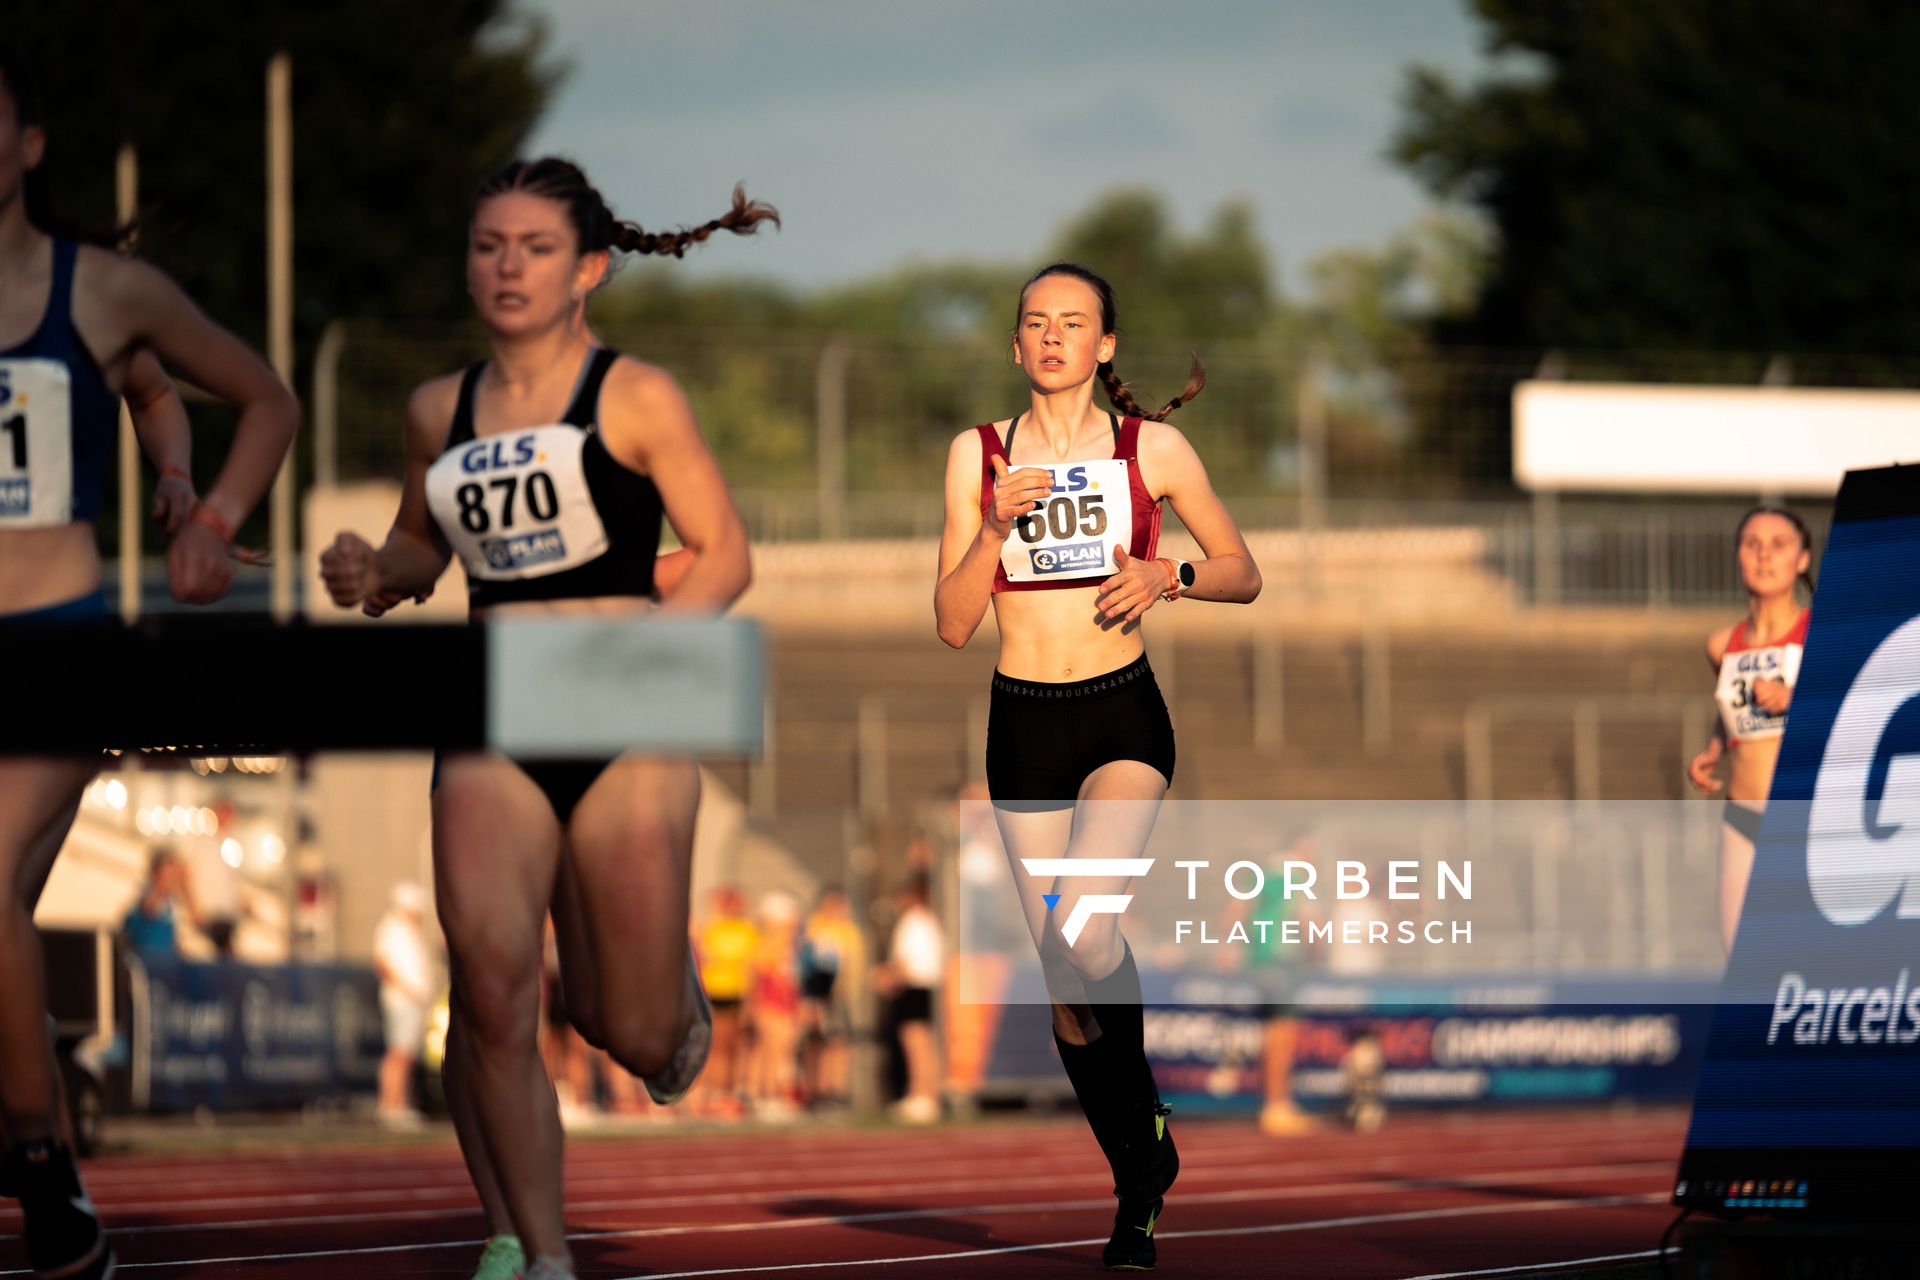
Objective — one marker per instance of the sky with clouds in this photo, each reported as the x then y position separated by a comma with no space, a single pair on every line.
896,131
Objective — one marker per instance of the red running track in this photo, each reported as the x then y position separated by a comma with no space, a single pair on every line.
1428,1197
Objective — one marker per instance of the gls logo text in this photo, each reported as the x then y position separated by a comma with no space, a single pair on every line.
1088,905
491,455
1075,480
1863,829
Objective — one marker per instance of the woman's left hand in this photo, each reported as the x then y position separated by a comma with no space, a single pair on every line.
1132,591
1772,696
173,501
199,564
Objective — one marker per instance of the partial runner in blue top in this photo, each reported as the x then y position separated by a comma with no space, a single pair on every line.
57,417
80,326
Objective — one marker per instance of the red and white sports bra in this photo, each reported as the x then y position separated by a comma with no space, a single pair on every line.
1745,662
1069,540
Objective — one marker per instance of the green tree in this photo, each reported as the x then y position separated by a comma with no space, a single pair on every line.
1689,175
931,342
1217,284
398,109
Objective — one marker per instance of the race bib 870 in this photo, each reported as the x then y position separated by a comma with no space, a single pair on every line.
36,443
1072,533
516,505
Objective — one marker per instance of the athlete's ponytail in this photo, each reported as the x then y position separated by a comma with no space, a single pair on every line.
594,223
1118,392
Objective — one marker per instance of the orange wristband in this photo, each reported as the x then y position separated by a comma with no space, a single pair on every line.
203,514
1172,592
181,472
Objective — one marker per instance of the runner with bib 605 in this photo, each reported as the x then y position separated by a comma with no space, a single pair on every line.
1058,526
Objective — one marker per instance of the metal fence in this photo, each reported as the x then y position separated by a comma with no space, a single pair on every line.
829,436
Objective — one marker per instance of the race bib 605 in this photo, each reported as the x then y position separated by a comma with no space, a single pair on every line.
1072,533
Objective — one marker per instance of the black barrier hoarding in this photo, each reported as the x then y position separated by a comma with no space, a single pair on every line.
233,684
1808,1101
235,1037
535,687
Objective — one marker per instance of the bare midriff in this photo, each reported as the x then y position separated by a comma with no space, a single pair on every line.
1055,636
1750,770
42,567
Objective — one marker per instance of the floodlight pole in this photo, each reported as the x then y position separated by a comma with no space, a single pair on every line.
126,199
280,307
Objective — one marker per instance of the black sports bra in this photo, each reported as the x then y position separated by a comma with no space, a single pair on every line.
545,513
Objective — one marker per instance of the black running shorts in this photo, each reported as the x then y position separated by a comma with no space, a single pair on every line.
1044,740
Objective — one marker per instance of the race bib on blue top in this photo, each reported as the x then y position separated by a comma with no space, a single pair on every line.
36,443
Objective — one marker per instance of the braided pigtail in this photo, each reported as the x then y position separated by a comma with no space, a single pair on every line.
1121,393
742,219
593,222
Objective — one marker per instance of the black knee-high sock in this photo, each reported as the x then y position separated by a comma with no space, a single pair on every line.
1110,1075
1116,1001
1116,1006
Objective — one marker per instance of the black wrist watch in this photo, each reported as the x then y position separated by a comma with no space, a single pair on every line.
1185,571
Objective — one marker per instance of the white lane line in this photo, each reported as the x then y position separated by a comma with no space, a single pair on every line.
461,1189
966,1211
1538,1266
1325,1224
949,1187
790,1150
104,1189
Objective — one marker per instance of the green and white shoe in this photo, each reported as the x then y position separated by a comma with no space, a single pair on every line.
502,1259
671,1083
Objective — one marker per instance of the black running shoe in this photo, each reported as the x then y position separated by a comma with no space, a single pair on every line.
64,1237
1130,1247
1149,1163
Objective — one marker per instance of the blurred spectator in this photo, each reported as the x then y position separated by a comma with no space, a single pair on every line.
916,958
1364,1069
218,893
151,928
726,945
833,959
404,963
1276,962
773,1007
